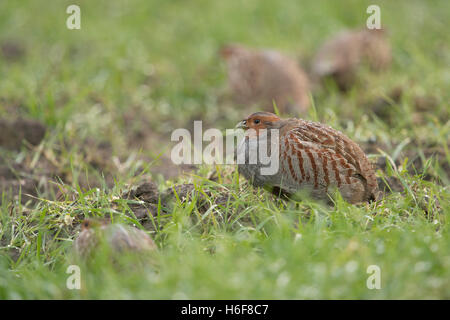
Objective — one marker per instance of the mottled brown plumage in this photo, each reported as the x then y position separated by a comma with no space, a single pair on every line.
117,237
313,158
264,77
342,55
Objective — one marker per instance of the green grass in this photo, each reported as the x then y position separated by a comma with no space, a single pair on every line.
152,66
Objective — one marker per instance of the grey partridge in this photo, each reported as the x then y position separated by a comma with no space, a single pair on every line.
341,56
117,237
312,158
264,77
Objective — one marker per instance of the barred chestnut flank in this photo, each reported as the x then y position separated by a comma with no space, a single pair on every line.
312,157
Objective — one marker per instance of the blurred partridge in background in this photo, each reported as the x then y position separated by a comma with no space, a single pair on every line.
313,158
341,56
117,237
266,76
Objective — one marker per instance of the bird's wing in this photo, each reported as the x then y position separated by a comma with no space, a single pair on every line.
319,155
338,151
327,138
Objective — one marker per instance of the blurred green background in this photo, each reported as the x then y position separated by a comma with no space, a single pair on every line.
136,70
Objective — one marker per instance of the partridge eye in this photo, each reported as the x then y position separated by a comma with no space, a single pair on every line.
256,121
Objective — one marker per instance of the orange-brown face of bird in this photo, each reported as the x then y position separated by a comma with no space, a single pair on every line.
258,121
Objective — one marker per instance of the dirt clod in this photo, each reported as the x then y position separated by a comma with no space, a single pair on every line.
390,184
147,192
182,190
382,107
25,189
13,133
12,50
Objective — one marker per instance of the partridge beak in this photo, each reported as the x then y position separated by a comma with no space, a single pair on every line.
242,125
